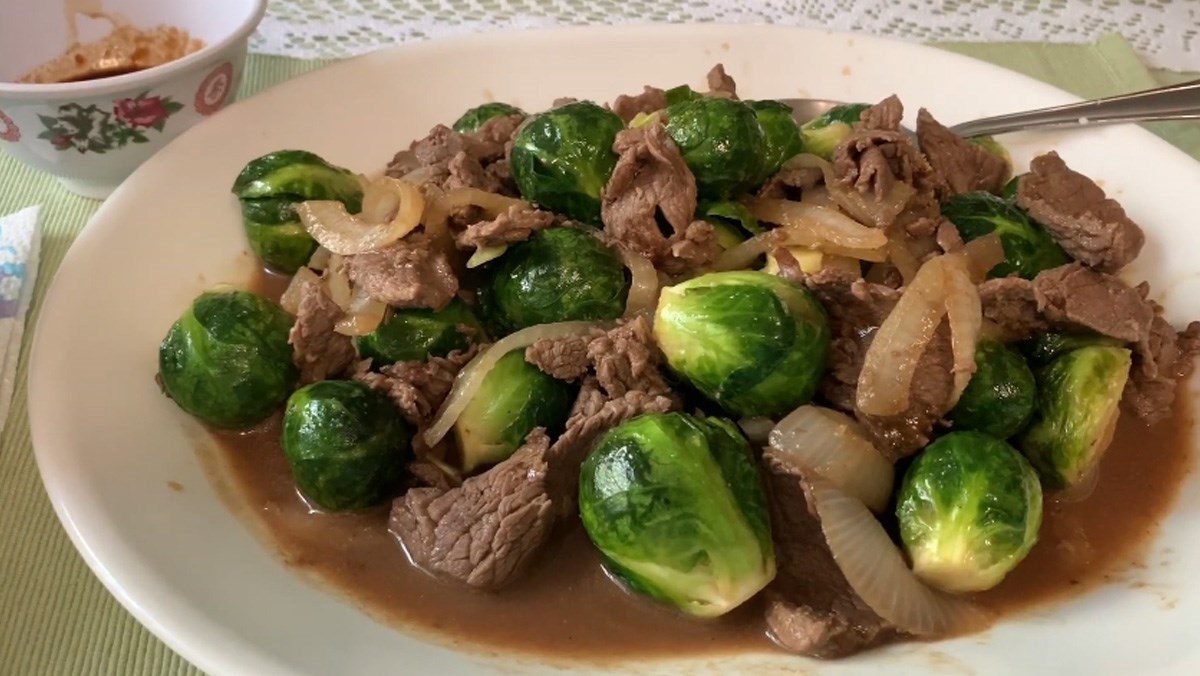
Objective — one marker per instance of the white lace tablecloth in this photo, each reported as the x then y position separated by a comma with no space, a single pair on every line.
1165,32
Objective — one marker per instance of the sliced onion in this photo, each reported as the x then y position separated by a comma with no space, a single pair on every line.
876,571
743,255
493,204
643,285
757,428
818,196
833,446
290,300
891,360
391,209
822,224
878,213
983,254
470,378
320,258
338,282
965,314
363,315
484,254
902,256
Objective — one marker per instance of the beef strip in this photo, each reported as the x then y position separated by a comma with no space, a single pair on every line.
1160,360
408,273
562,358
962,165
901,435
811,609
650,177
317,349
466,171
691,250
626,359
885,115
417,388
791,182
628,107
515,225
452,159
1011,308
1075,297
719,81
1088,225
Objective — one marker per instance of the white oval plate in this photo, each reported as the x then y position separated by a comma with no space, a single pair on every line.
107,442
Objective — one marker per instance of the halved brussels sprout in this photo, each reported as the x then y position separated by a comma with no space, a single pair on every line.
681,93
752,342
721,142
781,133
420,333
1076,414
969,510
999,398
227,360
514,398
562,158
1047,347
269,187
675,505
734,215
346,444
475,117
822,134
1028,248
559,274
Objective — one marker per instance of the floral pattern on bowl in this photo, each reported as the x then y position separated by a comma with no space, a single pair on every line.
93,129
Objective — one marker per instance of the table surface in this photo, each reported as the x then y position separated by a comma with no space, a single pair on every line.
58,619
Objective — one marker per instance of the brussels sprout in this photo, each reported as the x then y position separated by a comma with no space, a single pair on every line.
822,134
269,187
562,158
681,93
752,342
732,220
1047,347
346,444
475,117
514,398
1009,191
1075,415
227,360
781,133
969,510
721,142
420,333
999,398
559,274
1028,248
675,505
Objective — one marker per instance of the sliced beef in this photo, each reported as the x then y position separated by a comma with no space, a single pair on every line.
466,171
901,435
1160,361
409,273
650,178
873,161
1074,296
485,531
811,609
1011,307
691,250
451,159
562,358
317,349
789,267
626,359
885,115
515,225
416,387
962,165
720,82
650,100
1092,228
791,182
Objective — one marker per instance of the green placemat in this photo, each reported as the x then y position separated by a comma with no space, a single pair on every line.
58,619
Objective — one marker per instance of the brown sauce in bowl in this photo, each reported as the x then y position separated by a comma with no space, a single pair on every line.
565,606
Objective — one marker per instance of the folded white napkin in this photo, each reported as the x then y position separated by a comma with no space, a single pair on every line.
20,237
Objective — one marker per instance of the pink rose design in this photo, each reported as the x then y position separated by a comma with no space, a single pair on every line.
8,129
141,112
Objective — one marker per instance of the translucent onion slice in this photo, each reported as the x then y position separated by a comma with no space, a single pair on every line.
757,428
877,213
876,570
363,316
484,254
338,283
983,254
643,285
290,300
818,196
743,255
965,314
902,256
470,378
822,224
391,209
320,259
833,446
891,360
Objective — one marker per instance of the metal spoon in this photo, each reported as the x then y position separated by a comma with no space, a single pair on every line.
1174,102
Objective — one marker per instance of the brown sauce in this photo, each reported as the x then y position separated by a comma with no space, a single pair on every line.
565,605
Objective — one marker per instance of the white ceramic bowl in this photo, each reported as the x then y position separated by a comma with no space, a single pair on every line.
94,133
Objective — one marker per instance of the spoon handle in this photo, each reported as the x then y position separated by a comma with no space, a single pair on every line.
1175,102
